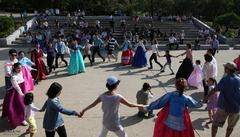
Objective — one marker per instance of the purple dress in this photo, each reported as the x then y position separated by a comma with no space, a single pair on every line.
212,101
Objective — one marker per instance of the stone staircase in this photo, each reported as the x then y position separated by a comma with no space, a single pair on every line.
191,32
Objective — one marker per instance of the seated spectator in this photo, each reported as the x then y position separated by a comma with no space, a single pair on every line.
172,42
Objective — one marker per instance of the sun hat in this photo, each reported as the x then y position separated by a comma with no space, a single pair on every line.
111,80
231,66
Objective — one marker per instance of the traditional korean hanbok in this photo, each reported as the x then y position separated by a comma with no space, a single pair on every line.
127,53
36,57
140,57
195,79
13,104
76,64
26,71
173,120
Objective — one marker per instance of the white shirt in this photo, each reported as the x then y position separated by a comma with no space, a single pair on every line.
16,79
208,71
172,39
215,68
8,67
155,48
29,110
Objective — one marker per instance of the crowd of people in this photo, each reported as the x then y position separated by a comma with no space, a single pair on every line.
22,74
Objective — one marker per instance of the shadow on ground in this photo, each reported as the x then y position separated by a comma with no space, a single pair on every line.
130,120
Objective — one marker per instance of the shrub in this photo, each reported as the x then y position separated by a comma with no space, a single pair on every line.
6,26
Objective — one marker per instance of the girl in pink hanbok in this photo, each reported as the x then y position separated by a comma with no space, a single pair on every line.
195,79
13,104
26,71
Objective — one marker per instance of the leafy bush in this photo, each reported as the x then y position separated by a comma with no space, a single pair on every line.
6,26
230,20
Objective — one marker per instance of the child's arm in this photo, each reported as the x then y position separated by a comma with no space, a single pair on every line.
98,100
129,104
174,56
44,107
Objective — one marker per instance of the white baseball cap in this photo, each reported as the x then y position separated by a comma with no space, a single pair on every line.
111,80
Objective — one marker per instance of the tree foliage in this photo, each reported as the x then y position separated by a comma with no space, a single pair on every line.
207,9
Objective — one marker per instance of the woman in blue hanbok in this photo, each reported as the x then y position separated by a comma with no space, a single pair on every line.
76,64
140,57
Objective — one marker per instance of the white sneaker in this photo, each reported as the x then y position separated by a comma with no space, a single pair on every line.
24,123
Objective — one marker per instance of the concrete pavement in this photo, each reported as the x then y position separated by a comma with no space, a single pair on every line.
82,89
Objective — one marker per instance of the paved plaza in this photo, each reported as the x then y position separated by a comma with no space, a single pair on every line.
82,89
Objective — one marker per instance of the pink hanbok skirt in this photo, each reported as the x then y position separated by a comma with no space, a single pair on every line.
13,107
28,80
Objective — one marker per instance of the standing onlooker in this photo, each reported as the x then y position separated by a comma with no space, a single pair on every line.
172,42
143,96
215,45
182,37
208,72
53,121
154,55
110,106
60,49
228,102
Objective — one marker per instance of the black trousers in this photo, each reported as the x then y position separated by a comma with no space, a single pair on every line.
60,130
154,57
96,50
214,51
84,56
50,61
62,58
173,44
205,88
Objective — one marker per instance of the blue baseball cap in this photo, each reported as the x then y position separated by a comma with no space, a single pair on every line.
111,80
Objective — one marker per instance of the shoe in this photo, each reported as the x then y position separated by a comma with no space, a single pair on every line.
150,68
151,115
172,73
162,71
24,123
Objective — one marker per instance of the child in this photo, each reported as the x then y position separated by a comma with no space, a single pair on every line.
142,98
53,121
111,46
169,61
195,79
50,57
154,55
173,119
212,100
29,110
110,106
87,51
